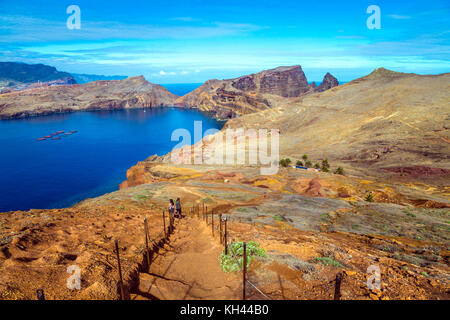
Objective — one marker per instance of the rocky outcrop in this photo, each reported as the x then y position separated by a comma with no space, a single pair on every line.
133,92
251,93
328,82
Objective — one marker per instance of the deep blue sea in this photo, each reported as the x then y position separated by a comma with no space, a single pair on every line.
180,89
88,163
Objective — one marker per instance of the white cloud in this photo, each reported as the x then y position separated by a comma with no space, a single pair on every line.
15,28
399,17
164,73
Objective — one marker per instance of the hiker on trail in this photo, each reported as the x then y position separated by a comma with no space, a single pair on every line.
171,215
171,208
178,207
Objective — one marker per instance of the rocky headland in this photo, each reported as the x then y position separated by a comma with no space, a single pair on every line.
227,99
135,92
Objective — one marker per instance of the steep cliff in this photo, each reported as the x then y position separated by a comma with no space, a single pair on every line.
133,92
247,94
328,82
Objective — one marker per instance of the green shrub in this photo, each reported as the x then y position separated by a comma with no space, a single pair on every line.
308,164
278,217
339,170
229,263
305,157
369,197
285,162
299,163
328,261
316,166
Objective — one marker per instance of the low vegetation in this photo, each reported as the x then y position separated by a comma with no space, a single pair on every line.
234,260
324,166
285,162
328,261
369,197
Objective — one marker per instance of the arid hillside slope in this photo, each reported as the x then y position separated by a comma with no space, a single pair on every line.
116,94
383,120
311,225
251,93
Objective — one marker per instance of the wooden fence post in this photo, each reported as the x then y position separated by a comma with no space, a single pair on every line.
212,222
220,229
244,271
206,215
337,288
164,224
146,242
225,237
40,294
122,295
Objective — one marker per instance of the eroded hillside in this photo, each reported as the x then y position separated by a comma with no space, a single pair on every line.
251,93
133,92
311,225
389,124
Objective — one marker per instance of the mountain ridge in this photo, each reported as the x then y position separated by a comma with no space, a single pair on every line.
133,92
230,98
19,72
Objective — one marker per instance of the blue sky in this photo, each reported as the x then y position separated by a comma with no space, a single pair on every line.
196,40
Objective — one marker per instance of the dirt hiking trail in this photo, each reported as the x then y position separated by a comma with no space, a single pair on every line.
188,268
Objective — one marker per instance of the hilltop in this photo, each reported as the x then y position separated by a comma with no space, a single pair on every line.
230,98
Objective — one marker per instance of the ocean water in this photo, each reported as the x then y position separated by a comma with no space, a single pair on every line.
180,89
88,163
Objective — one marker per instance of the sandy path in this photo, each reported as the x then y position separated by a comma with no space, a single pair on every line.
188,268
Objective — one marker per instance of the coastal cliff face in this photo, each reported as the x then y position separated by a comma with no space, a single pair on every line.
247,94
386,124
386,119
133,92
